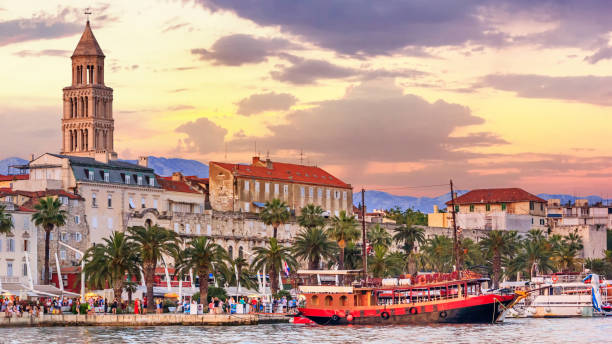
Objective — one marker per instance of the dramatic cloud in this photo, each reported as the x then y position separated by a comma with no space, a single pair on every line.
239,49
202,135
271,101
381,27
363,26
376,121
45,52
41,26
586,89
309,71
604,53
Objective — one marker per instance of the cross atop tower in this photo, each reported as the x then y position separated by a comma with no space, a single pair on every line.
87,12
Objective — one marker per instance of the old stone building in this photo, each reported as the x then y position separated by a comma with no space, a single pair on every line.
74,233
492,209
246,188
18,254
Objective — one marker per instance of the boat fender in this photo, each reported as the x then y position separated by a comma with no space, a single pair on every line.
413,310
555,279
384,315
443,314
349,317
335,318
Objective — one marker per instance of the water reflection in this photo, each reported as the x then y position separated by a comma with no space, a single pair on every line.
579,330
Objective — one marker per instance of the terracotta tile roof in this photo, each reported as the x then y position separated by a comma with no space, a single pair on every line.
39,194
506,195
286,172
197,179
177,186
8,178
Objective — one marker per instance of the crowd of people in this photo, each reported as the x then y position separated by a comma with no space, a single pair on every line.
14,306
255,305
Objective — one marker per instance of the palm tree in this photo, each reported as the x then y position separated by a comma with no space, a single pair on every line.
151,243
312,245
48,215
275,213
496,246
384,264
343,229
566,259
200,255
311,217
537,255
238,266
378,236
574,241
352,257
408,237
110,262
6,221
438,252
272,258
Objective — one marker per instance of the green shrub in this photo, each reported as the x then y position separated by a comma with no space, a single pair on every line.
282,293
83,308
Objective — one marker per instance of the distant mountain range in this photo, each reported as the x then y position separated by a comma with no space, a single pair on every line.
383,200
373,199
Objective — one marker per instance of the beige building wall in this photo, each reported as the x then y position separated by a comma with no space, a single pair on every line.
115,206
16,245
594,238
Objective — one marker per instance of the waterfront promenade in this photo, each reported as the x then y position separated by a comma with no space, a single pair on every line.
167,319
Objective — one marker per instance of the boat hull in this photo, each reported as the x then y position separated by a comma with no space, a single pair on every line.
483,309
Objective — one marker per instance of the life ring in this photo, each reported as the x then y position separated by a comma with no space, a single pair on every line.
443,314
384,315
421,279
413,310
335,318
555,279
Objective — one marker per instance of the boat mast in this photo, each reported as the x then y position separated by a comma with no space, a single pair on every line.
364,253
456,259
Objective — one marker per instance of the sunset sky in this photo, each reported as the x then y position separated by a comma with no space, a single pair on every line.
384,94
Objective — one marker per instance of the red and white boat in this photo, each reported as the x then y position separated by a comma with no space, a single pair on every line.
434,298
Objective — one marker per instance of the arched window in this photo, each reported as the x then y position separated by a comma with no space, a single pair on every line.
343,300
240,252
314,300
329,300
230,252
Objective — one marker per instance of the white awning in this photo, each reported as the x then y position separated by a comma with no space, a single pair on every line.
328,272
313,289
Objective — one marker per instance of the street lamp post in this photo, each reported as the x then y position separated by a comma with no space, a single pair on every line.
82,267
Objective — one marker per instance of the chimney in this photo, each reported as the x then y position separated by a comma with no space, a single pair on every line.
177,176
436,208
255,160
269,164
143,161
102,157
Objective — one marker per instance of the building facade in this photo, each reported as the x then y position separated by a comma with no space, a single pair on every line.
246,188
579,213
18,253
497,209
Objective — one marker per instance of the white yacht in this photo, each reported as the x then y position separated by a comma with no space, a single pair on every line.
562,295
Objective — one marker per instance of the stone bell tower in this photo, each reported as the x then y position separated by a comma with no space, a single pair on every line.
87,122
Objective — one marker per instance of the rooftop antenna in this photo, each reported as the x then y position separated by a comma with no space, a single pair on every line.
225,151
267,154
87,13
255,148
301,157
